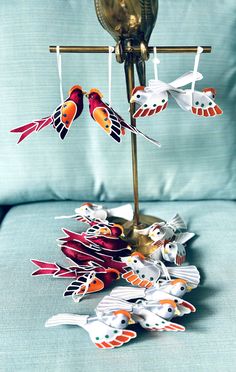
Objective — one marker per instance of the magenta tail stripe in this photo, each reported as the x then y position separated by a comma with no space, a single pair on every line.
26,134
23,128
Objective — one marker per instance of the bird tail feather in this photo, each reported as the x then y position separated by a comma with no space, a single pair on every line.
125,211
128,293
68,319
177,223
109,304
34,126
188,273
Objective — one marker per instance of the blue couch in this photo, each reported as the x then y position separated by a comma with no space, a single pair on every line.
193,174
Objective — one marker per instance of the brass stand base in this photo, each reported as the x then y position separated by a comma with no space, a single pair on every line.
138,242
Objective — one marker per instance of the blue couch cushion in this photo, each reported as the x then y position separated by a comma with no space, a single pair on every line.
197,160
29,231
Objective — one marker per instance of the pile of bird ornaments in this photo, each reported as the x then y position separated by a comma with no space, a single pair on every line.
101,255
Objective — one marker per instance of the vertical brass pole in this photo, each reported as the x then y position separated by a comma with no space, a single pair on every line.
129,73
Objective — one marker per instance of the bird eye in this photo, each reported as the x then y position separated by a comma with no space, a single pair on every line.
123,321
170,310
182,288
213,96
158,232
138,96
135,261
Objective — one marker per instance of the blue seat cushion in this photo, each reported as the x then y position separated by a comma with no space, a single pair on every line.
29,231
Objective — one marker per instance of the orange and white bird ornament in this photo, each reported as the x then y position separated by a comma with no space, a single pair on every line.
142,272
106,332
149,319
153,99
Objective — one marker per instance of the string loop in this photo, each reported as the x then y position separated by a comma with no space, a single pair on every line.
59,68
111,50
156,62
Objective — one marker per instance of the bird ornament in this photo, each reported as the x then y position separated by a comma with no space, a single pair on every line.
95,211
152,318
109,120
61,119
106,332
95,254
160,232
173,251
146,273
174,287
153,99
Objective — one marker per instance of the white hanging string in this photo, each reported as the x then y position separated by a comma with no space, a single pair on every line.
59,72
111,49
156,62
196,63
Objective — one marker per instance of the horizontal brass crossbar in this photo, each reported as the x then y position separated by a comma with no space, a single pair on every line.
105,49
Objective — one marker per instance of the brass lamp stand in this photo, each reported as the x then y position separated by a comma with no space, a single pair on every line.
130,22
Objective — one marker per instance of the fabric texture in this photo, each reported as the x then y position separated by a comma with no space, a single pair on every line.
208,344
197,159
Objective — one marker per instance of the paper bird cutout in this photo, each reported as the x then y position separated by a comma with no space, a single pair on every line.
148,319
106,332
61,118
173,251
109,120
94,212
164,231
153,99
142,272
153,296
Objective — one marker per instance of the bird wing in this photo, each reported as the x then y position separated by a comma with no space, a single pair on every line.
81,285
107,337
185,307
183,237
152,322
202,105
114,125
108,121
188,273
109,304
185,79
154,104
63,117
180,254
131,277
177,222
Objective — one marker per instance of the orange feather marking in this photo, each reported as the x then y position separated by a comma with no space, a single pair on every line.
68,112
101,116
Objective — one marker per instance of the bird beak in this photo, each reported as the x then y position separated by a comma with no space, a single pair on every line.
131,321
84,92
177,312
129,260
132,99
166,251
189,288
